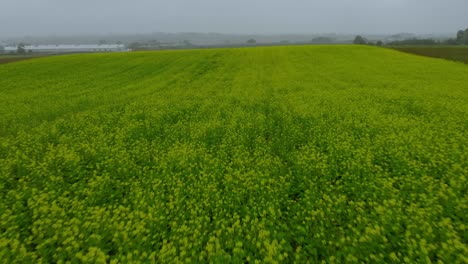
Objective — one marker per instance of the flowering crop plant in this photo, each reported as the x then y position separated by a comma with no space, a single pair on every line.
300,154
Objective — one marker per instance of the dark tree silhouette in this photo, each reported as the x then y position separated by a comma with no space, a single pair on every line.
21,49
460,36
359,40
465,37
251,41
134,45
187,43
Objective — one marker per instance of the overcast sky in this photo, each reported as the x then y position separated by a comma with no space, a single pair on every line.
58,17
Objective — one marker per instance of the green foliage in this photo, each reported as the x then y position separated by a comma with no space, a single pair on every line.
341,154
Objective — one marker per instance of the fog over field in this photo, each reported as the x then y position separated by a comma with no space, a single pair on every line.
58,17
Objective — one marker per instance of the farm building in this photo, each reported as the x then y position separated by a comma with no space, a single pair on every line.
69,48
9,49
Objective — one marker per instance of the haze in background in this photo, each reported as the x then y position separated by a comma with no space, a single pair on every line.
67,17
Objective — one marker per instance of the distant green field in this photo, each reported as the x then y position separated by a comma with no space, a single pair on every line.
455,53
299,154
14,58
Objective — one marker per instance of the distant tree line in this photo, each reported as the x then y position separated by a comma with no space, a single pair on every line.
360,40
322,40
461,39
415,42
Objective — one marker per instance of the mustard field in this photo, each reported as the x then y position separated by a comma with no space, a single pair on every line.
302,154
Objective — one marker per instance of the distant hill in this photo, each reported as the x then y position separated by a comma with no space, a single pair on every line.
209,38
